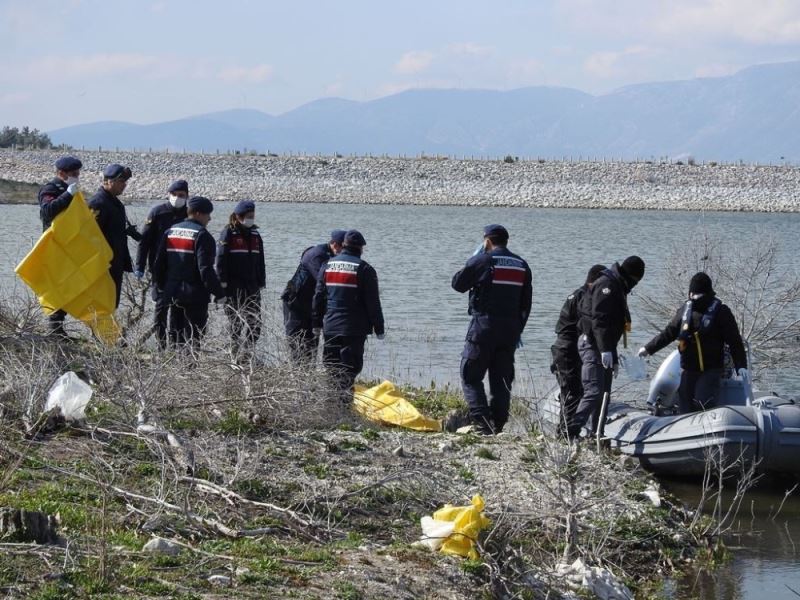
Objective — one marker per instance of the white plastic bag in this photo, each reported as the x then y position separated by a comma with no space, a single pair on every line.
634,366
434,532
71,394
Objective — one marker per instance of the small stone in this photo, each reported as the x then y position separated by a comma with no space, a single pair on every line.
161,546
399,452
219,580
447,447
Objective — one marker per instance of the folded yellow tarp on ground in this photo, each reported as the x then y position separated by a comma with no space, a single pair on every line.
454,529
384,404
68,270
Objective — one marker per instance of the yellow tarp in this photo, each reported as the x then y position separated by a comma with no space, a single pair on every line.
68,270
384,404
460,524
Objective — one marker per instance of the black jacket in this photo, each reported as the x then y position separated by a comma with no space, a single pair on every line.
113,221
53,198
160,218
500,295
722,330
184,265
347,301
604,310
567,324
240,260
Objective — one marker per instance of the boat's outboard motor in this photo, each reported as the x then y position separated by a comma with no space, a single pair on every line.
664,386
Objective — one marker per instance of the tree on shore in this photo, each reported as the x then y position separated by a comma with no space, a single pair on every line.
24,137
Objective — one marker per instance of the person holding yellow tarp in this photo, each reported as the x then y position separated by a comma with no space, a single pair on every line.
68,270
55,197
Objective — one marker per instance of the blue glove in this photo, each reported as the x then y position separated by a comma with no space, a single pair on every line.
607,358
138,274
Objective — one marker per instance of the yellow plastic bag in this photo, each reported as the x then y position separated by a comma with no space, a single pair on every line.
68,270
384,404
468,522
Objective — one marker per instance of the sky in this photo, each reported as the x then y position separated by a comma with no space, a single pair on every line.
65,62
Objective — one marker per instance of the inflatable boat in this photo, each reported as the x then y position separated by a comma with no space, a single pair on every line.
745,430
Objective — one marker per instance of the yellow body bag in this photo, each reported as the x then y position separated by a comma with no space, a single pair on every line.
384,404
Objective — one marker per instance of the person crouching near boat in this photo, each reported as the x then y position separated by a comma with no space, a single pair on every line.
703,325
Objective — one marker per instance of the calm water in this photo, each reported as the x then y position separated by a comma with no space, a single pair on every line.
416,250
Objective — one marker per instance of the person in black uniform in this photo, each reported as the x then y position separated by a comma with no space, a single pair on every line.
54,197
242,272
500,295
160,218
346,309
566,361
604,319
184,271
703,326
113,222
299,295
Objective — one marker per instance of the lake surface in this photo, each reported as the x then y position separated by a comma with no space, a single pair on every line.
416,250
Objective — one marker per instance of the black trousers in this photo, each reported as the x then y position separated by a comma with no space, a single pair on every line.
567,368
498,360
187,322
302,341
343,356
160,315
244,316
55,322
699,390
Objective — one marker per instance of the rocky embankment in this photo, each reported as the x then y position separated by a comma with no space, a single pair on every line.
437,181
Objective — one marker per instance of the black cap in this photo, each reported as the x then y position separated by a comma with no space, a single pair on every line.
594,273
701,284
495,231
337,235
115,171
68,163
199,204
244,207
179,185
633,267
354,238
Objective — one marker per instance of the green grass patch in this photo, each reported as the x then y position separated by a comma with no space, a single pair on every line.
486,453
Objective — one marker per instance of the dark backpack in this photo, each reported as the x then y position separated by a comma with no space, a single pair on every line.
299,289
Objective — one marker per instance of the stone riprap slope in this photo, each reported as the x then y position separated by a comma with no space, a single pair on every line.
437,181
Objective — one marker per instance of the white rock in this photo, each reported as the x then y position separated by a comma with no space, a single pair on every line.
161,546
219,580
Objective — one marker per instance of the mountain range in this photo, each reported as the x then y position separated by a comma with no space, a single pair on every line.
752,115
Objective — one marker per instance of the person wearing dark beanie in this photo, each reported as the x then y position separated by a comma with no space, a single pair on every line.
566,365
604,320
704,327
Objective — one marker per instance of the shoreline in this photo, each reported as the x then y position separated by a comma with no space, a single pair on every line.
434,181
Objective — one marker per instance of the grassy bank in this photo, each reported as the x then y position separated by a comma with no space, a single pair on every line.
265,487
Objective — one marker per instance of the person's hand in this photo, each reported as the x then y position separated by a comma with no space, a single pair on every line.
643,353
607,359
519,344
138,274
743,373
380,336
616,370
73,188
316,331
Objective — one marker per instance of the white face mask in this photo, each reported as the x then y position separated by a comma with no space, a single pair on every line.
249,223
71,180
177,201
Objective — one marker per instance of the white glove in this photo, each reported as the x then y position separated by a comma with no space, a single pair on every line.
138,274
380,336
316,331
743,373
643,353
221,301
607,358
73,188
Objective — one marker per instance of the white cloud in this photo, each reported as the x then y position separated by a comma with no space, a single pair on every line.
606,65
71,68
469,49
414,62
716,70
238,74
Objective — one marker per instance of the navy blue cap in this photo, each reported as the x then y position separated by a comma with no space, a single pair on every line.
244,207
200,204
115,171
179,185
495,230
68,163
337,235
354,238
